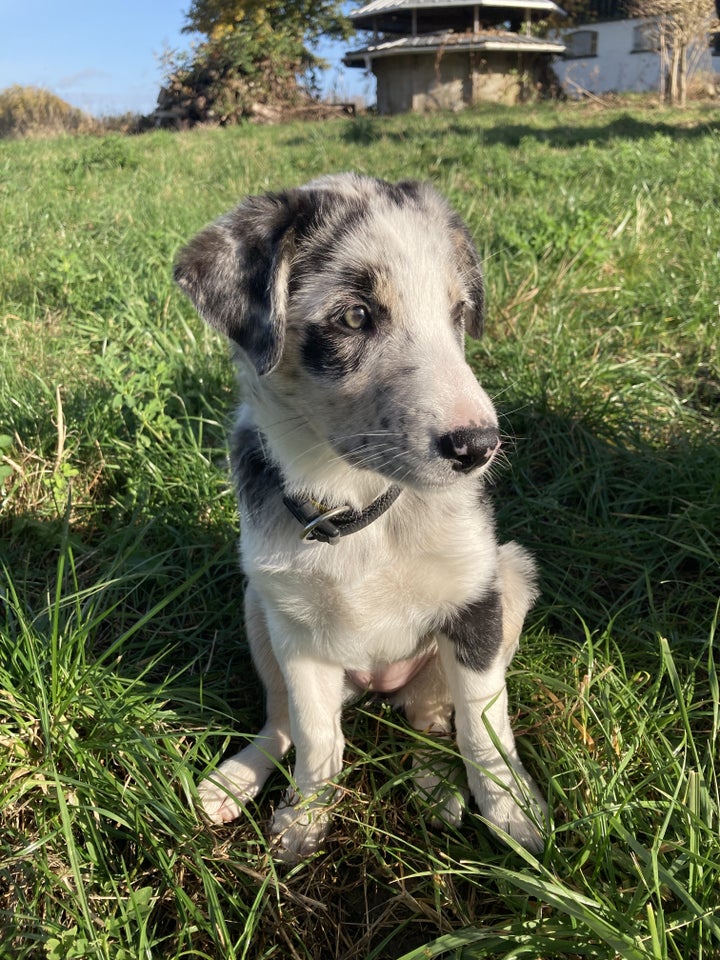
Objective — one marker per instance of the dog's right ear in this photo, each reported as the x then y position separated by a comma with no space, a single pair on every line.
471,270
235,271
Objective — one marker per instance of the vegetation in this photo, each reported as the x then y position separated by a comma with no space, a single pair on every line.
32,111
252,55
123,671
305,20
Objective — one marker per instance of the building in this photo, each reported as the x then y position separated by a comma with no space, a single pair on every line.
428,55
613,52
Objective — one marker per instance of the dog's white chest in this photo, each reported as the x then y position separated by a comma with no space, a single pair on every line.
372,601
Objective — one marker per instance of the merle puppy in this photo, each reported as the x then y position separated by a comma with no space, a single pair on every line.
358,455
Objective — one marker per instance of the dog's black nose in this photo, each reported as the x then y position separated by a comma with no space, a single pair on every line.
469,447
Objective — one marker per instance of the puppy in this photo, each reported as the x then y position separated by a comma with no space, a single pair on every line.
358,456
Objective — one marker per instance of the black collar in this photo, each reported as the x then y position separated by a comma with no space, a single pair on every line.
328,525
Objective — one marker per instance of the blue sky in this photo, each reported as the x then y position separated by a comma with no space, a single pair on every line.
104,55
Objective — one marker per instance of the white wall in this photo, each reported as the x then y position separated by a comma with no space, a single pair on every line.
615,67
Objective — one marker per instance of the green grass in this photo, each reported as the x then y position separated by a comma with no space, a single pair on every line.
123,672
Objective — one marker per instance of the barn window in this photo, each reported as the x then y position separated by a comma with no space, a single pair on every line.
581,43
645,38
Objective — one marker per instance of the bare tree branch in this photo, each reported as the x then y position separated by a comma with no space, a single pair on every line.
681,30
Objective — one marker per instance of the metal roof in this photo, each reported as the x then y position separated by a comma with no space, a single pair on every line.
429,42
397,6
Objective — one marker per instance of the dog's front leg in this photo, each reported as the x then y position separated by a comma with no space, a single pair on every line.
475,652
239,779
315,696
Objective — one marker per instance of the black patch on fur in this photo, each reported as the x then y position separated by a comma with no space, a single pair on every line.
229,270
319,237
256,479
476,632
362,282
403,193
330,353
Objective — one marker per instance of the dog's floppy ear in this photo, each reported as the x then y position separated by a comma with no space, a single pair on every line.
471,271
235,271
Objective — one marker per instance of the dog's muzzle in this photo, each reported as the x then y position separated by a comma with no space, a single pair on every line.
469,447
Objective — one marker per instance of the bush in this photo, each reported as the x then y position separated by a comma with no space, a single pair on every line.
222,80
32,111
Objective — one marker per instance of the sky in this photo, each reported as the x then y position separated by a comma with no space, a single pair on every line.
104,56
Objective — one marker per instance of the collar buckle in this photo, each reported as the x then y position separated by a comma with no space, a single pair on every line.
317,519
315,526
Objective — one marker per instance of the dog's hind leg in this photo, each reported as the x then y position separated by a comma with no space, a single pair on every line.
241,777
438,773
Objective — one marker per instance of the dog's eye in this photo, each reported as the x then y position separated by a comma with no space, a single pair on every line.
356,318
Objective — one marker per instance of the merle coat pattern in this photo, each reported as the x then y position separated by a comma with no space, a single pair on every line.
347,301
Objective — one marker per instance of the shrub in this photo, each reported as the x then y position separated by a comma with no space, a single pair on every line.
32,111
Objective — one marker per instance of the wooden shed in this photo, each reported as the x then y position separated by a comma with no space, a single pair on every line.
429,55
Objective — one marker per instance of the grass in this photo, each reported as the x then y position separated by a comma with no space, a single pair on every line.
123,671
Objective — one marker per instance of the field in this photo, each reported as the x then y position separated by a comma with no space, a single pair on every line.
123,672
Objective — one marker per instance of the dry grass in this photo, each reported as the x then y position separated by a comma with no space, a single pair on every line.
30,112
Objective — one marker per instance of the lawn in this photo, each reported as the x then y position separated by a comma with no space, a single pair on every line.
124,676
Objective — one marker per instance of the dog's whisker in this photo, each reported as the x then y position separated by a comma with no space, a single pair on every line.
370,455
340,457
394,434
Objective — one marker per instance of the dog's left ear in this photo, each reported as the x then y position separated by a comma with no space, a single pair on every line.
472,275
235,271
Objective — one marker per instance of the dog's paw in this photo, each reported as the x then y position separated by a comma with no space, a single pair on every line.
228,789
299,827
516,807
525,820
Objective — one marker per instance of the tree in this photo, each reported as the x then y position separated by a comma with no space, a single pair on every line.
253,54
681,29
305,20
281,32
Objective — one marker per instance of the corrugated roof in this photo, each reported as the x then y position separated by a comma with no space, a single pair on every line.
396,6
490,40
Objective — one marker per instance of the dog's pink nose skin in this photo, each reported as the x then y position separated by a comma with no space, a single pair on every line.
469,447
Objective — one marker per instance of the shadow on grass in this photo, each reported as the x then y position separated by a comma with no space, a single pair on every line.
625,127
365,130
619,532
623,532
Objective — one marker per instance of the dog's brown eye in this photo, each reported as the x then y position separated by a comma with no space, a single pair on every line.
356,317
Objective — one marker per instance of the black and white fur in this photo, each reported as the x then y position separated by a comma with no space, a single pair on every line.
347,301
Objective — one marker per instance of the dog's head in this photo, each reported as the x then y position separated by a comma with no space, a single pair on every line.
349,299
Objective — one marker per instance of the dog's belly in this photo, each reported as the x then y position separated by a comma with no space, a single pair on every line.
391,677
